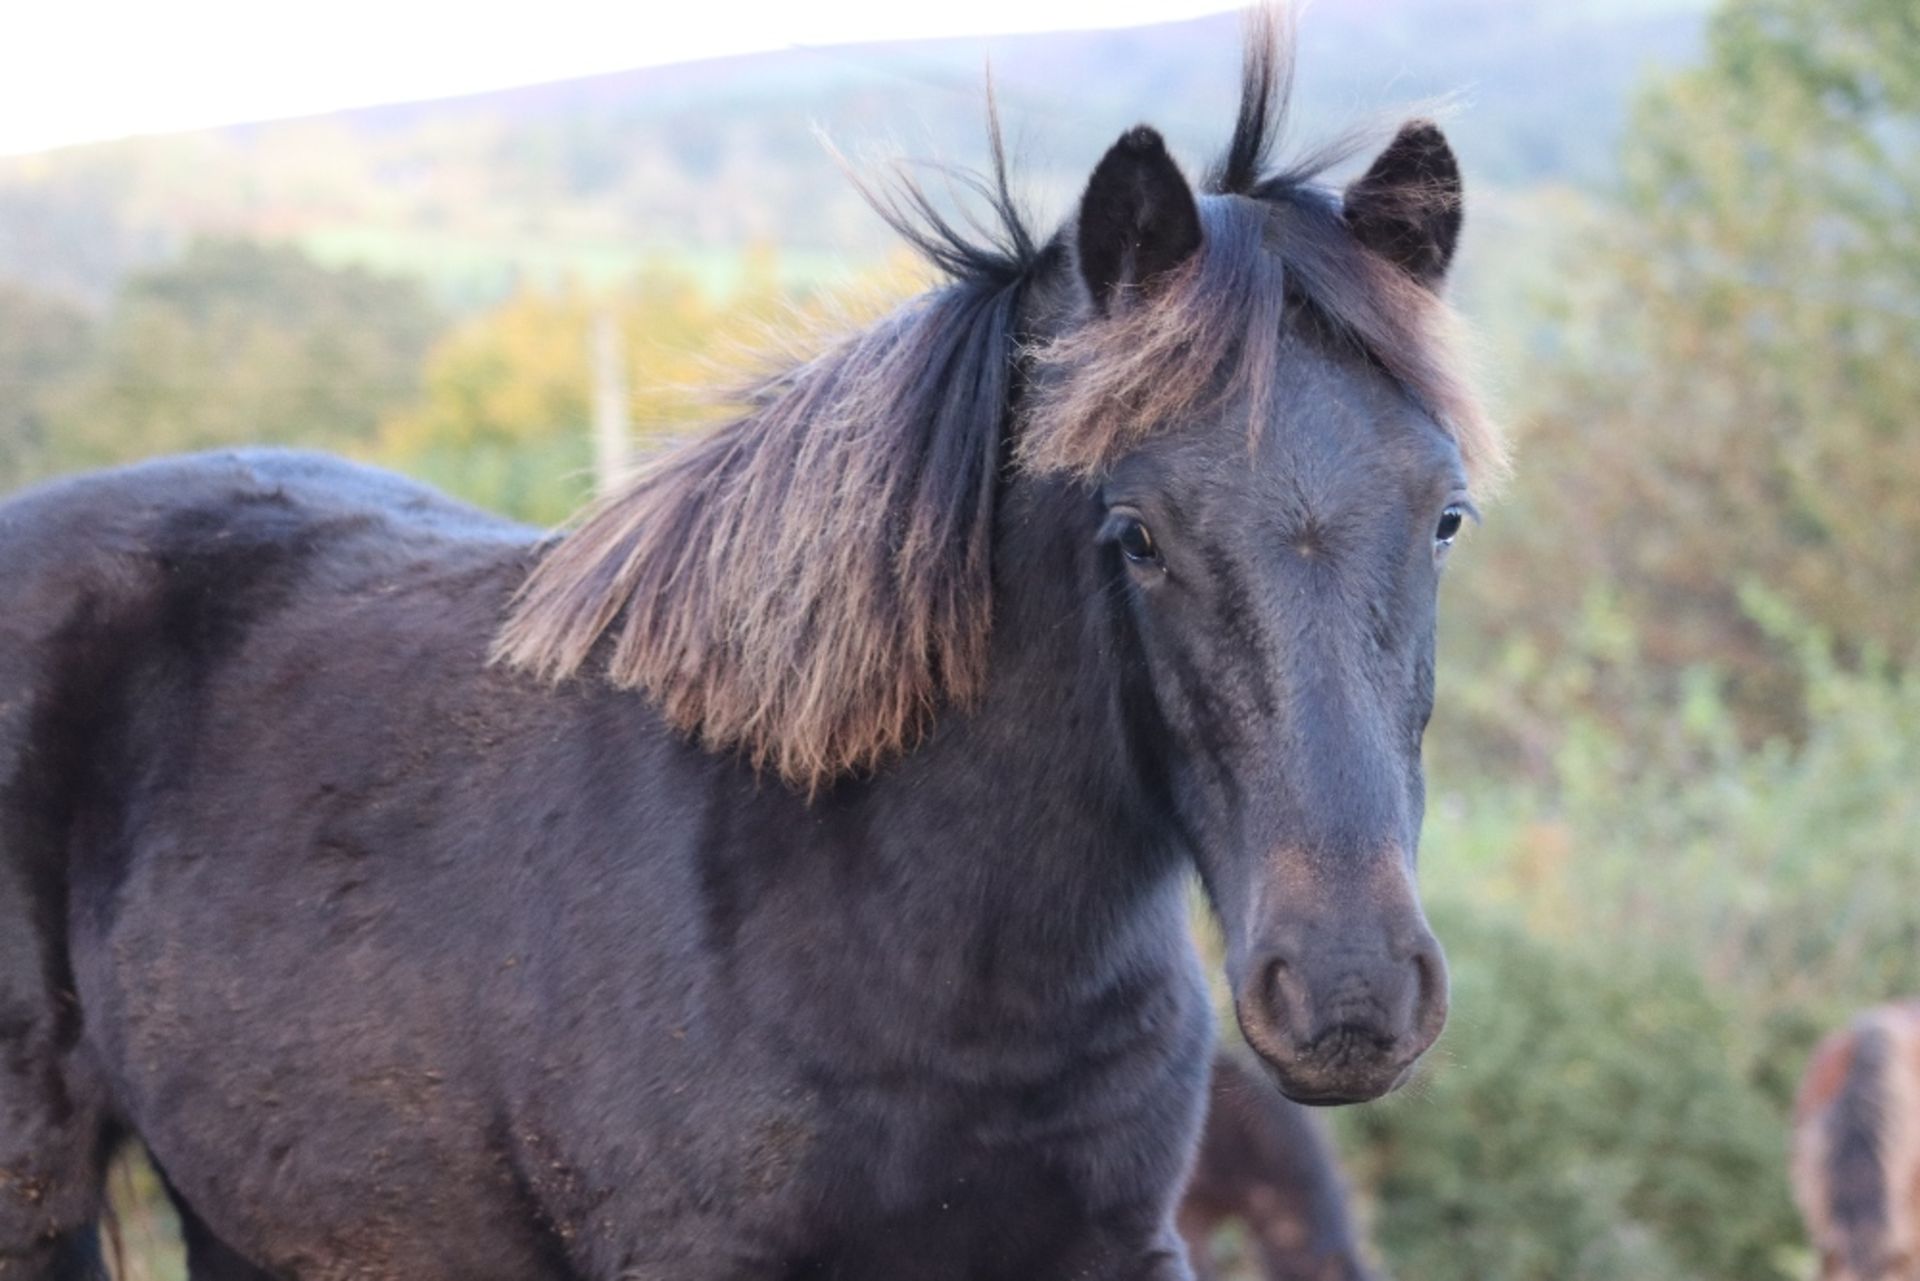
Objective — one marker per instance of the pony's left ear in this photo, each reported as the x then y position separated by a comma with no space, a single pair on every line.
1407,206
1138,220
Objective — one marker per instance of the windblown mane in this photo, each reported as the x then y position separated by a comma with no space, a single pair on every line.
810,583
1274,238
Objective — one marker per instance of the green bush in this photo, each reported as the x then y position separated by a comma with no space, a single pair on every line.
1645,947
1586,1116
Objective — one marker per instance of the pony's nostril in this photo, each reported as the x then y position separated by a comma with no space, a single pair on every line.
1287,1000
1426,966
1276,987
1430,1004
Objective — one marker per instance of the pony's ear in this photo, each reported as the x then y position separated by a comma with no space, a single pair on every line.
1407,206
1138,220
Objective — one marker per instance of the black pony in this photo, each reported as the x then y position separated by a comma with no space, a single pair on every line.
782,874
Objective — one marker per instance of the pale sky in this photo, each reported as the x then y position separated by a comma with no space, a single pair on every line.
84,70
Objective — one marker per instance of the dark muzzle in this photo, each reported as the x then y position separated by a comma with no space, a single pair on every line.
1341,1005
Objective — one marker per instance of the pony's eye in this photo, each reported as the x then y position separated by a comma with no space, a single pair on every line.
1136,544
1449,527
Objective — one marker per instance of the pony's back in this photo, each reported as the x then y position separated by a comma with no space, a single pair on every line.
117,590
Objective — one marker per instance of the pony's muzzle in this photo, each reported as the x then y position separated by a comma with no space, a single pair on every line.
1341,1011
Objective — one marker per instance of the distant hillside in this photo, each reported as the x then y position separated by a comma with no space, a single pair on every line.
592,176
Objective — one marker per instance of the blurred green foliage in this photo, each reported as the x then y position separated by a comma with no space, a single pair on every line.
1674,817
233,342
1583,1123
1731,402
1641,961
44,343
504,411
503,415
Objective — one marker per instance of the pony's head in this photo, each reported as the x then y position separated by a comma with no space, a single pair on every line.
1241,400
1256,394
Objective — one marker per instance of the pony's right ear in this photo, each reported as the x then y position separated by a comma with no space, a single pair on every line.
1138,220
1407,206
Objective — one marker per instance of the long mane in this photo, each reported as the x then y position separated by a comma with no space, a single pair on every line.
809,584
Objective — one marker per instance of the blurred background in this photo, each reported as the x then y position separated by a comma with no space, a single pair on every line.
1675,772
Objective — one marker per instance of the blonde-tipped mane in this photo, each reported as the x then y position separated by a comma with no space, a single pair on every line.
810,582
808,585
1105,386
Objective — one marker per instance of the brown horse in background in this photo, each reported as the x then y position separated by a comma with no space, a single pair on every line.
1266,1164
1856,1148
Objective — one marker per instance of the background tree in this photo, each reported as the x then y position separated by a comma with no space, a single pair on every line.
1673,809
44,344
241,342
1734,417
502,419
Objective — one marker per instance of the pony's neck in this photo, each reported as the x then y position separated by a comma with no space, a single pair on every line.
1044,816
998,899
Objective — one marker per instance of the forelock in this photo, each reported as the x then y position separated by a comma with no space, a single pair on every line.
1210,334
